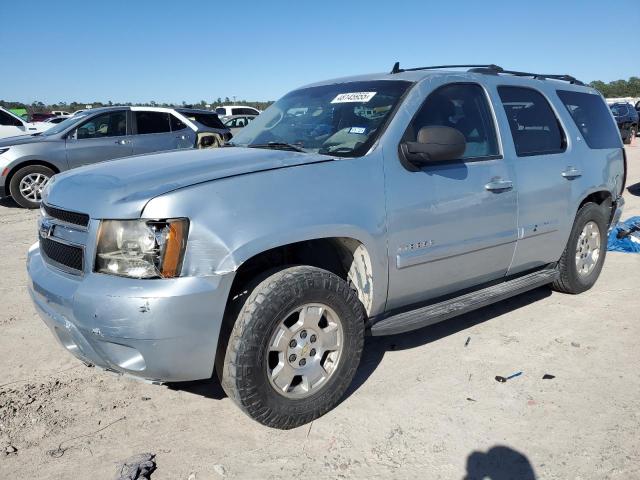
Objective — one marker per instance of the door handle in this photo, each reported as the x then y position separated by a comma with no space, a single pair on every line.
571,172
181,137
123,142
499,185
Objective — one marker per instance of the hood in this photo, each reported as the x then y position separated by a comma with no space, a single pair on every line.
23,139
121,188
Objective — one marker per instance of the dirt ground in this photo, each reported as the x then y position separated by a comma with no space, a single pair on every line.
422,406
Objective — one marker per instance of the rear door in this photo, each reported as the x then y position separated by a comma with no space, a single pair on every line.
152,132
452,225
184,136
537,148
99,138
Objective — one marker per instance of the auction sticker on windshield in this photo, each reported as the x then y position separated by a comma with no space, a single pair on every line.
354,97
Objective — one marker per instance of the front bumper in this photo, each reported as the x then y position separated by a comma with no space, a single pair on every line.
161,330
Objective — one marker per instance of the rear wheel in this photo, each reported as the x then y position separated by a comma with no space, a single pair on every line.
583,257
27,184
295,347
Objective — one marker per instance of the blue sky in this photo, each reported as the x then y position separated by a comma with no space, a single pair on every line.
142,50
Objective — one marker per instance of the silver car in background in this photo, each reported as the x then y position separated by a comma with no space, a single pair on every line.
29,161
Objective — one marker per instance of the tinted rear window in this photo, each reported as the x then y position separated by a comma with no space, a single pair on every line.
210,120
534,126
592,117
152,122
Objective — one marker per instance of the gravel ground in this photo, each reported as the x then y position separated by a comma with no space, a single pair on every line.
423,405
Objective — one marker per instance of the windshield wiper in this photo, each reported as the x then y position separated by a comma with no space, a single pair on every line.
278,146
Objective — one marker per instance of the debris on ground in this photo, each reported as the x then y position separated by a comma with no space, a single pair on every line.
467,342
504,379
471,399
11,450
220,470
548,376
575,344
625,236
138,467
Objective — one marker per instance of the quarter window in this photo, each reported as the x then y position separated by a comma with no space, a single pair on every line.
112,124
462,106
177,124
591,116
534,126
152,122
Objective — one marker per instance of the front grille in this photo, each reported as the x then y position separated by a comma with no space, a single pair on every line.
66,255
75,218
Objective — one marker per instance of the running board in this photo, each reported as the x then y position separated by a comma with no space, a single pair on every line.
437,312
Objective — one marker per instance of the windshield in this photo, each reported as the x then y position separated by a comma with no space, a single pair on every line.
62,126
341,119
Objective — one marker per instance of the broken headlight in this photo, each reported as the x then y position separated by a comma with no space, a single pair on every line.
142,248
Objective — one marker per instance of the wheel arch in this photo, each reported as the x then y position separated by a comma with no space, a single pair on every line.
27,163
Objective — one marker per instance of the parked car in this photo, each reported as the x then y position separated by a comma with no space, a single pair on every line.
60,113
55,120
392,202
228,110
11,125
96,135
237,122
40,116
627,119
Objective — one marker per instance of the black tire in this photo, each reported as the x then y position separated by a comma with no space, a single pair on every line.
244,374
570,280
14,185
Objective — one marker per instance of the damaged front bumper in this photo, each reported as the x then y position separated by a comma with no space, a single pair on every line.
160,330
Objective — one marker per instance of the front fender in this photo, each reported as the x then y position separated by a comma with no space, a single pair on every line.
236,218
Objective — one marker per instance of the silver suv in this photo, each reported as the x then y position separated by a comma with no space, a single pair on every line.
27,162
375,204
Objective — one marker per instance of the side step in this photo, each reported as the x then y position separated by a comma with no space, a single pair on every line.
437,312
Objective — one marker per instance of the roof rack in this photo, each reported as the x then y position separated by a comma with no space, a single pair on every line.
491,69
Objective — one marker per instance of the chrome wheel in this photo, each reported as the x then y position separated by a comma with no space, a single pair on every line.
305,350
31,186
588,249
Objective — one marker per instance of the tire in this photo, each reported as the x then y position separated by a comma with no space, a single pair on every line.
248,372
29,199
571,280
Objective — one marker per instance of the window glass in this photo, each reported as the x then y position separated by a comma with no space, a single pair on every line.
589,112
210,120
464,107
221,111
341,119
619,110
8,120
243,111
177,124
534,126
152,122
112,124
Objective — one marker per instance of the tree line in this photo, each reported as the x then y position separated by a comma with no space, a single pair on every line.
37,107
618,88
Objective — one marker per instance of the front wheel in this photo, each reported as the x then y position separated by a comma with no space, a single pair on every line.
295,347
583,257
27,183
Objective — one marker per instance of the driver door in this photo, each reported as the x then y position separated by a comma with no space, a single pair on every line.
452,225
102,137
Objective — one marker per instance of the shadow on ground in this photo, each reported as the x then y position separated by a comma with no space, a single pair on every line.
634,189
376,347
8,202
499,463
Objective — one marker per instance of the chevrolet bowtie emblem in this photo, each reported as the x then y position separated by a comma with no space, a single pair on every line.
46,228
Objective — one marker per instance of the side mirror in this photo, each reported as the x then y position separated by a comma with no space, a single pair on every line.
435,144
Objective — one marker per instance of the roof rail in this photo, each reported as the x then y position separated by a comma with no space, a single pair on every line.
492,69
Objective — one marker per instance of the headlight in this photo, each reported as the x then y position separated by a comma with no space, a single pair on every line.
142,248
